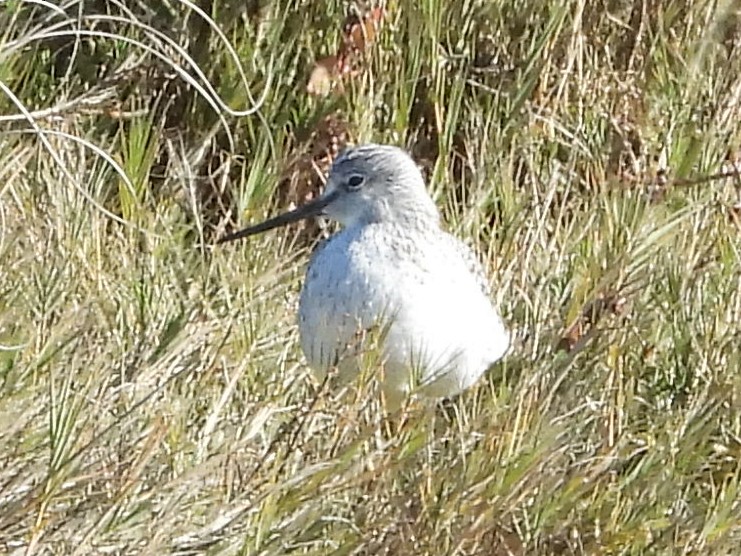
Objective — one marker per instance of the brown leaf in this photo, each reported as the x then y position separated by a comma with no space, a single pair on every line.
323,76
609,303
734,213
359,34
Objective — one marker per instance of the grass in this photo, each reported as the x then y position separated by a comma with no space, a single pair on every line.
153,398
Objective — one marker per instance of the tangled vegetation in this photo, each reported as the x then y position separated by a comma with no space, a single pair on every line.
153,398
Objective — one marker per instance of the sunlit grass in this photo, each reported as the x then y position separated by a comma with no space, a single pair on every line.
153,398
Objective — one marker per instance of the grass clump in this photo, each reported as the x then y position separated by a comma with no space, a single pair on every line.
152,394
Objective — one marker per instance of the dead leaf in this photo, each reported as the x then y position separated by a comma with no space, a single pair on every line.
323,76
609,303
358,33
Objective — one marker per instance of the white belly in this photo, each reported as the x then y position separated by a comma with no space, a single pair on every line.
442,331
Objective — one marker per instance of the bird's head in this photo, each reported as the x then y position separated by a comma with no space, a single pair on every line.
366,184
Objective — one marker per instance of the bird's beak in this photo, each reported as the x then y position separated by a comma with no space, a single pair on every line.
312,208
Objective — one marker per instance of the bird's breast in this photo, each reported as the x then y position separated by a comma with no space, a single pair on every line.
421,283
344,291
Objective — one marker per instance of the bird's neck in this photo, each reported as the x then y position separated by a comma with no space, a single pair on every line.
420,214
416,222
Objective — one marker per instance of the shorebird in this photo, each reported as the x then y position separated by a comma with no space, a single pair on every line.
392,267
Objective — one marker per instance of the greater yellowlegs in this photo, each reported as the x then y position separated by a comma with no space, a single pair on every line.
392,268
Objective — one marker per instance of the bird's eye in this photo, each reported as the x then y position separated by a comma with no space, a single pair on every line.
355,182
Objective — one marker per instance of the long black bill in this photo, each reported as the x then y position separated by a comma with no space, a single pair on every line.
312,208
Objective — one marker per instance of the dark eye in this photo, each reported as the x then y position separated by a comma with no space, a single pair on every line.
355,181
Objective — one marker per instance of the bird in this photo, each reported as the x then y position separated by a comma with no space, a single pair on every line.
392,267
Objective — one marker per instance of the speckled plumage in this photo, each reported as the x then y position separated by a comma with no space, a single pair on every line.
393,267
